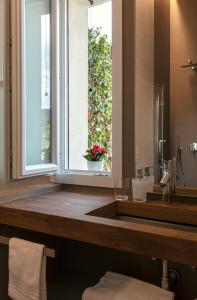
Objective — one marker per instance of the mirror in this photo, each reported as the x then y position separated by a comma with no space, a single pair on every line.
166,87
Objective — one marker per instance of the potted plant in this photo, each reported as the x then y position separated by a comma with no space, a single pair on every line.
94,157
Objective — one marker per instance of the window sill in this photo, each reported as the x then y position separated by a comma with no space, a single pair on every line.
85,178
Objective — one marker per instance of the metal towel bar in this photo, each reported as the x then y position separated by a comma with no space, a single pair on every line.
47,251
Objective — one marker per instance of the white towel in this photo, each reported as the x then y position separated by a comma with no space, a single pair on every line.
113,286
27,270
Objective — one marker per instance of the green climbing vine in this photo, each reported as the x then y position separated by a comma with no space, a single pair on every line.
100,93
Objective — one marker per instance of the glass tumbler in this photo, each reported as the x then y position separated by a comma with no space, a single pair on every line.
121,189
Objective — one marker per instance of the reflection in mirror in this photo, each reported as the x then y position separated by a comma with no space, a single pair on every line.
37,70
166,87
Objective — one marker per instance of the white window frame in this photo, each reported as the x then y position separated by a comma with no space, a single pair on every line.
19,168
101,179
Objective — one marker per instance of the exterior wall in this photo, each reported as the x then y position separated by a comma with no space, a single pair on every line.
144,82
78,83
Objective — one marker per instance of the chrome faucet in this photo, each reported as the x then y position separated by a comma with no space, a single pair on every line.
168,180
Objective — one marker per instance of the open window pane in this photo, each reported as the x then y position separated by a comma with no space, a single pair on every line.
90,81
37,82
34,33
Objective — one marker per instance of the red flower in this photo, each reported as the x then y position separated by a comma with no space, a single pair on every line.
96,148
96,152
99,149
104,151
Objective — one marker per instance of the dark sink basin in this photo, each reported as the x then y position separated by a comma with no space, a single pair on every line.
146,221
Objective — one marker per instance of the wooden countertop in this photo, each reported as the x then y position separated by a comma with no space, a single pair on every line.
61,203
184,213
15,193
84,215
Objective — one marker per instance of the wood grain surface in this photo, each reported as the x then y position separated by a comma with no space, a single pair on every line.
185,213
27,190
86,216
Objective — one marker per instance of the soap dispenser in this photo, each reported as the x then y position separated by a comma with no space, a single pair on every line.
149,179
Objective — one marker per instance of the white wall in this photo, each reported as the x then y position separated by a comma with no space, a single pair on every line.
2,100
144,82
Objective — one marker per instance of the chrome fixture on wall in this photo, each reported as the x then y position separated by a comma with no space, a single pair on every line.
179,162
191,65
168,180
193,147
159,134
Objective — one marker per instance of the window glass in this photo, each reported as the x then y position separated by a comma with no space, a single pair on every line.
37,73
